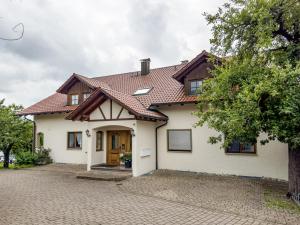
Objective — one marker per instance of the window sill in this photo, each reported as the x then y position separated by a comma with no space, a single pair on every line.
99,150
76,149
241,153
187,151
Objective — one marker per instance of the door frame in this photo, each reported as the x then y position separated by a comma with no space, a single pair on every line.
107,142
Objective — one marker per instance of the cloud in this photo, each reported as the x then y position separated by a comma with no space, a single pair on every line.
93,38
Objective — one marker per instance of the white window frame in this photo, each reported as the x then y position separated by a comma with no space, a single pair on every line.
194,92
74,99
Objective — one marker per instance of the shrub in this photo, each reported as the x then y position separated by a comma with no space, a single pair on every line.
39,157
26,158
43,155
126,157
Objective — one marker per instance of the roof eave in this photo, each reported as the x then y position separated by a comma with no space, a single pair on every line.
43,113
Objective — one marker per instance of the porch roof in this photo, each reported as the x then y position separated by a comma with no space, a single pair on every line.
129,102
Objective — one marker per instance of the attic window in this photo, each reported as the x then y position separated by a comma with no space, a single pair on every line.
194,86
142,91
74,99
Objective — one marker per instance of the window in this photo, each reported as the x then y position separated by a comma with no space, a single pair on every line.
99,138
179,140
194,86
74,99
75,140
142,91
237,147
40,140
86,95
115,141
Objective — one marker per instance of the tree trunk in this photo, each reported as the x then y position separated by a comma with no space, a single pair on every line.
294,173
6,153
6,158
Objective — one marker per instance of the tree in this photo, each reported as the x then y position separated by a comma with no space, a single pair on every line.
257,86
15,132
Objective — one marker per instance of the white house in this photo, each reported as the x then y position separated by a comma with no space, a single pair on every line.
150,114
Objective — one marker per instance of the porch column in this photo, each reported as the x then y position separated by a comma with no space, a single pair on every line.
89,149
134,153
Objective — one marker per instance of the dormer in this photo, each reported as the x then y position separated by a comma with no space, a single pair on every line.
194,72
77,88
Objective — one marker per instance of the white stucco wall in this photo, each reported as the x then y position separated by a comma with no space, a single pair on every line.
145,151
271,160
105,107
55,129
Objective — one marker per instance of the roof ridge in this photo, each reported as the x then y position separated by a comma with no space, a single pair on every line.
132,72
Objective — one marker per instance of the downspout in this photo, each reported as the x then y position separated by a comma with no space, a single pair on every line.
33,133
156,145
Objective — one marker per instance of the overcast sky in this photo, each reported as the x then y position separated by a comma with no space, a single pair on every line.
94,38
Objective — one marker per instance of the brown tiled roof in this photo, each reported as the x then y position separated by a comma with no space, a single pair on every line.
129,102
132,104
53,104
165,89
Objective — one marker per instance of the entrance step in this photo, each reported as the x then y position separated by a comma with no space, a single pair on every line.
104,175
105,167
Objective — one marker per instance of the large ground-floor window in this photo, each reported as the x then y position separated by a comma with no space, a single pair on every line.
237,147
179,140
74,140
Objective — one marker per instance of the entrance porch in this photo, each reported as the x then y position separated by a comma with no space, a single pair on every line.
111,141
110,146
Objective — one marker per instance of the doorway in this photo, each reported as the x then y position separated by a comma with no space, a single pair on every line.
118,142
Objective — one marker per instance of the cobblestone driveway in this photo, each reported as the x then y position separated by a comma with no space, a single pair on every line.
54,197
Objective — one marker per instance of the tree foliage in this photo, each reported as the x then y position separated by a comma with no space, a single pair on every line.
15,132
257,87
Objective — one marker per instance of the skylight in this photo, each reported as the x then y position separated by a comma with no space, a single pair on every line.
142,91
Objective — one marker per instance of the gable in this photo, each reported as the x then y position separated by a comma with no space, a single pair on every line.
78,87
201,72
198,69
110,110
74,80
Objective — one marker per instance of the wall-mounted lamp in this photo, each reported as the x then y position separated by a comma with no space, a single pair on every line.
87,133
132,132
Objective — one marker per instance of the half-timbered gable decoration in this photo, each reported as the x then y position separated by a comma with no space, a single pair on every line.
109,110
110,104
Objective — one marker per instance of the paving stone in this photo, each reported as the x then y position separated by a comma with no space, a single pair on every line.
239,195
53,197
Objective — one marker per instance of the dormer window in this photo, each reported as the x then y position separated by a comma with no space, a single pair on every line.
142,91
74,99
86,95
194,86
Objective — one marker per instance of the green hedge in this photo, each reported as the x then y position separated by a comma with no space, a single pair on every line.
39,157
26,158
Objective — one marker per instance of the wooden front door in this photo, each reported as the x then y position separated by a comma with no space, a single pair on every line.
117,142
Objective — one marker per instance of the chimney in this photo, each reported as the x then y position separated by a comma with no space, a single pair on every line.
145,66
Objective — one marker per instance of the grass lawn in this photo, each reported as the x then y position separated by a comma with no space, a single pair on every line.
14,166
277,200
